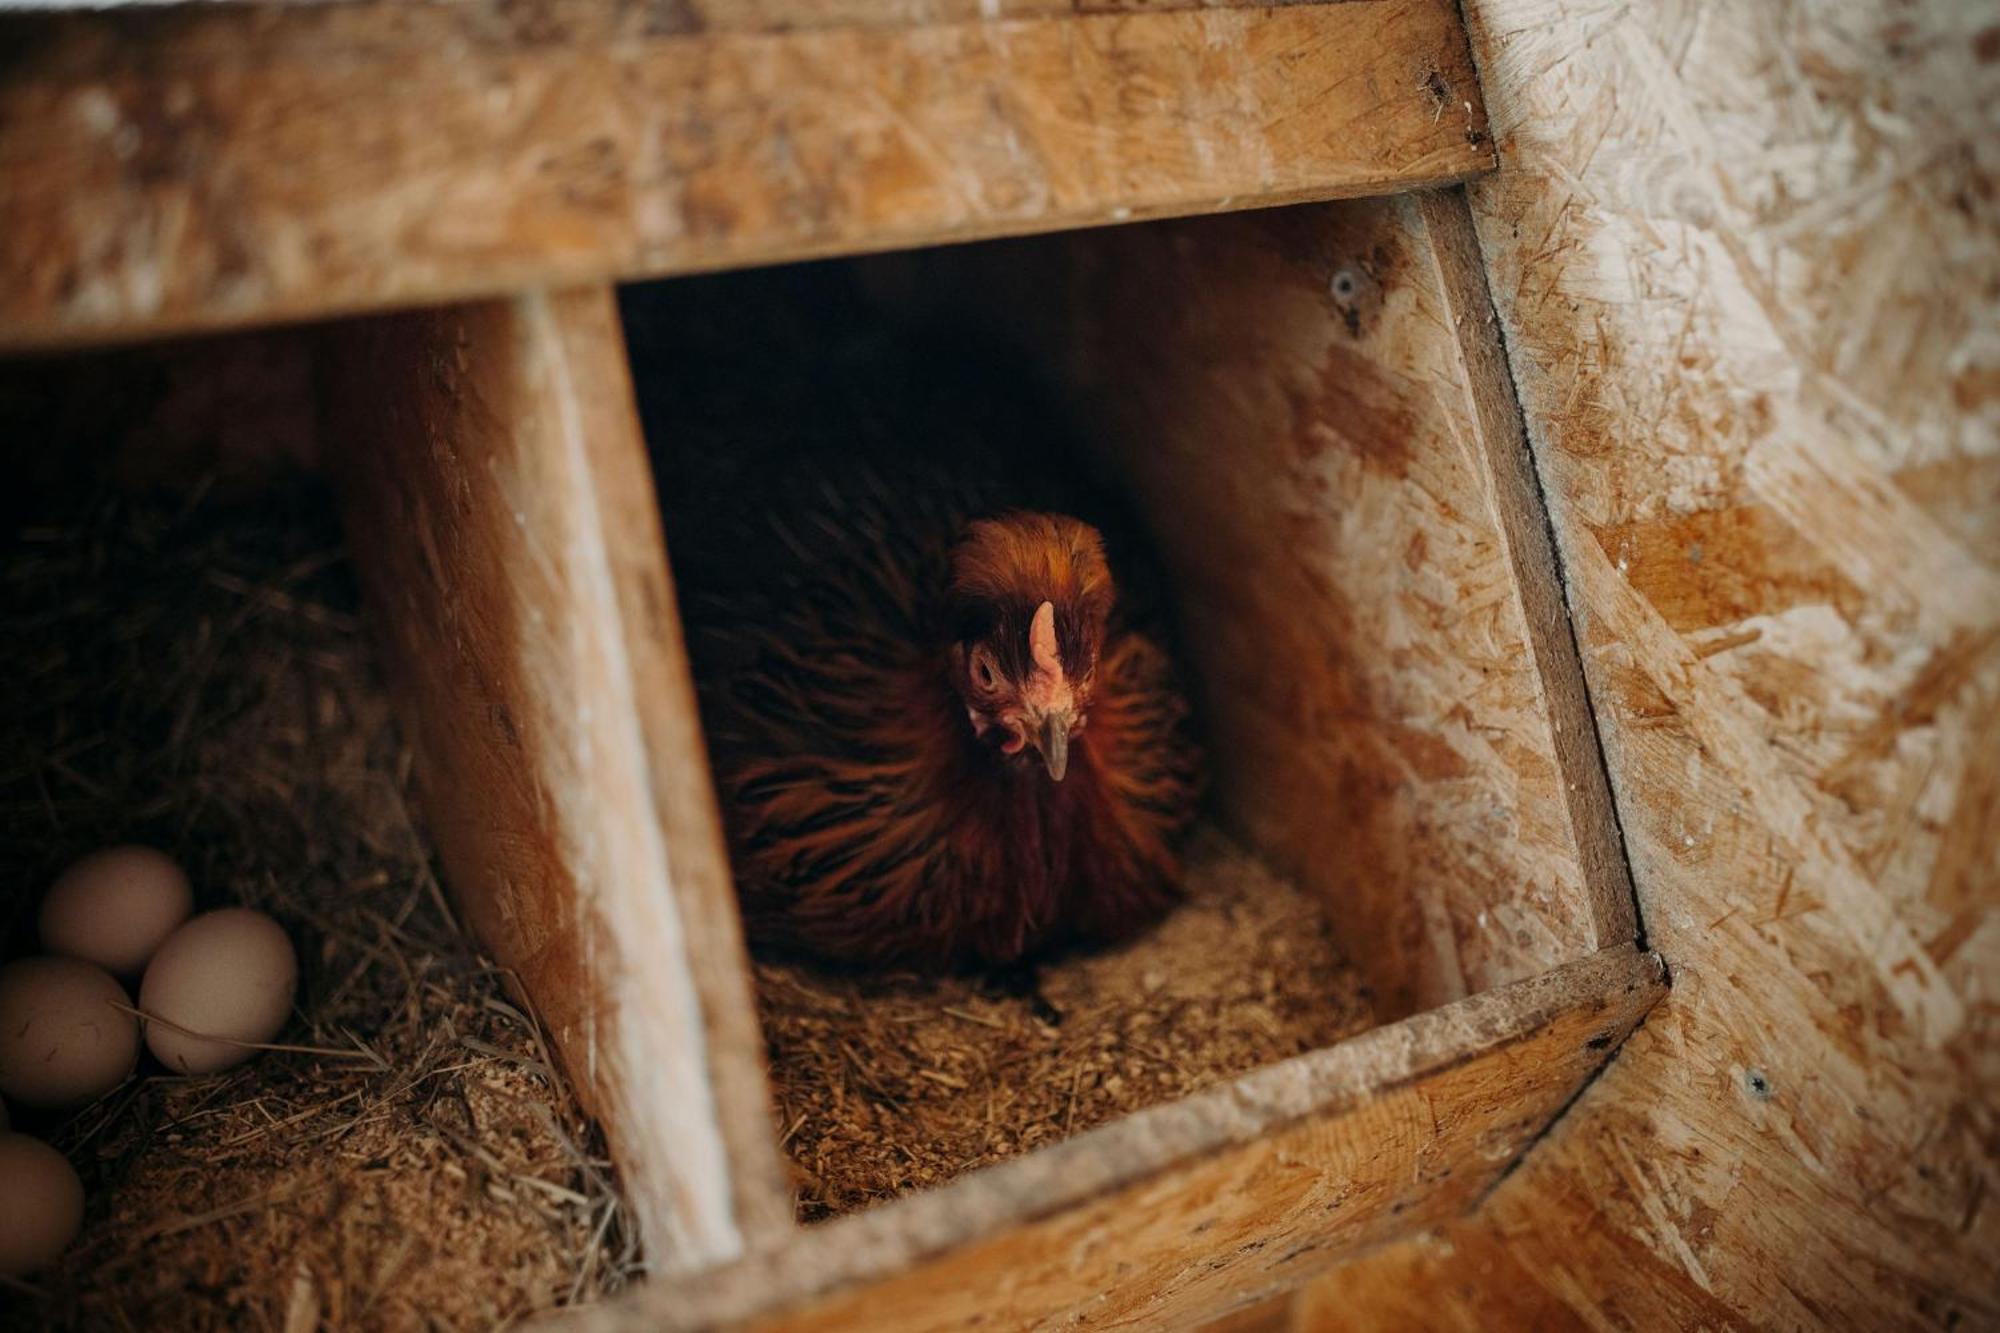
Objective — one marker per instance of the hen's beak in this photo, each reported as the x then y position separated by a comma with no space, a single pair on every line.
1053,741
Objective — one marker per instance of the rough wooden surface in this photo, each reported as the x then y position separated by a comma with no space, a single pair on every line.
889,1085
486,455
1493,418
219,165
1284,397
682,792
1747,260
1193,1209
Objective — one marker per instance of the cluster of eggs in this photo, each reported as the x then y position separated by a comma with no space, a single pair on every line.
210,988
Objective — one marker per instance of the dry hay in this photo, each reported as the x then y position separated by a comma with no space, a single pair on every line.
191,675
887,1084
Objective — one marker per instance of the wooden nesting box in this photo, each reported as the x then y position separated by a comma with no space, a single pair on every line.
1307,405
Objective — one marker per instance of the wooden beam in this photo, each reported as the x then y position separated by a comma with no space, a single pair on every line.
225,166
1522,521
1206,1205
502,523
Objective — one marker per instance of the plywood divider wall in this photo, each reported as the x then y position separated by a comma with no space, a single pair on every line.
1745,260
1493,416
499,513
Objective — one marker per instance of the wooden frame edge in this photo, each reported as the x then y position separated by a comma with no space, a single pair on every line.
1203,1135
1524,522
651,155
495,514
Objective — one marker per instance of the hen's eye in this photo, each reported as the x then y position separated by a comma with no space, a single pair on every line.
982,672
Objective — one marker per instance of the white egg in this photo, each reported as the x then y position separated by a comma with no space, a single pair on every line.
64,1040
228,974
44,1204
114,908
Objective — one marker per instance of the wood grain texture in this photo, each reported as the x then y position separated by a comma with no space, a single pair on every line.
1207,1205
1285,398
1494,417
220,166
683,793
486,457
1746,260
340,27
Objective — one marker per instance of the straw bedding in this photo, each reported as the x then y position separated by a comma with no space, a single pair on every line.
190,674
886,1084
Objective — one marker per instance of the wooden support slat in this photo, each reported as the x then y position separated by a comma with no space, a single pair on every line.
502,522
230,166
1193,1209
1494,417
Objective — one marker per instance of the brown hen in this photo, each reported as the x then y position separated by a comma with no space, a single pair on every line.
941,735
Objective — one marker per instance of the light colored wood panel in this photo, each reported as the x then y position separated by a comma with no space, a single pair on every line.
1283,397
1746,263
1207,1205
486,454
1408,1287
1273,1314
170,173
683,795
345,29
1523,523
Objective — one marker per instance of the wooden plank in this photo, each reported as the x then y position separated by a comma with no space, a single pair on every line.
1495,420
1283,398
684,796
1197,1208
338,28
1743,258
487,457
222,167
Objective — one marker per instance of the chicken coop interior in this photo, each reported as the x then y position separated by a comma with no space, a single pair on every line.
888,1083
1402,872
1271,407
1552,447
431,575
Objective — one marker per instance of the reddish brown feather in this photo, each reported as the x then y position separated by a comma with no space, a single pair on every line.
868,823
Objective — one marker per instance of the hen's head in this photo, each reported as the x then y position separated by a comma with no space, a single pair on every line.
1030,597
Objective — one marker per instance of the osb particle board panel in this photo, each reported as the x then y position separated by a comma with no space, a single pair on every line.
1748,264
1206,1205
485,453
1287,399
212,166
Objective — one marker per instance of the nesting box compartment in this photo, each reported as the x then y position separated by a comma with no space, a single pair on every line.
1308,410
